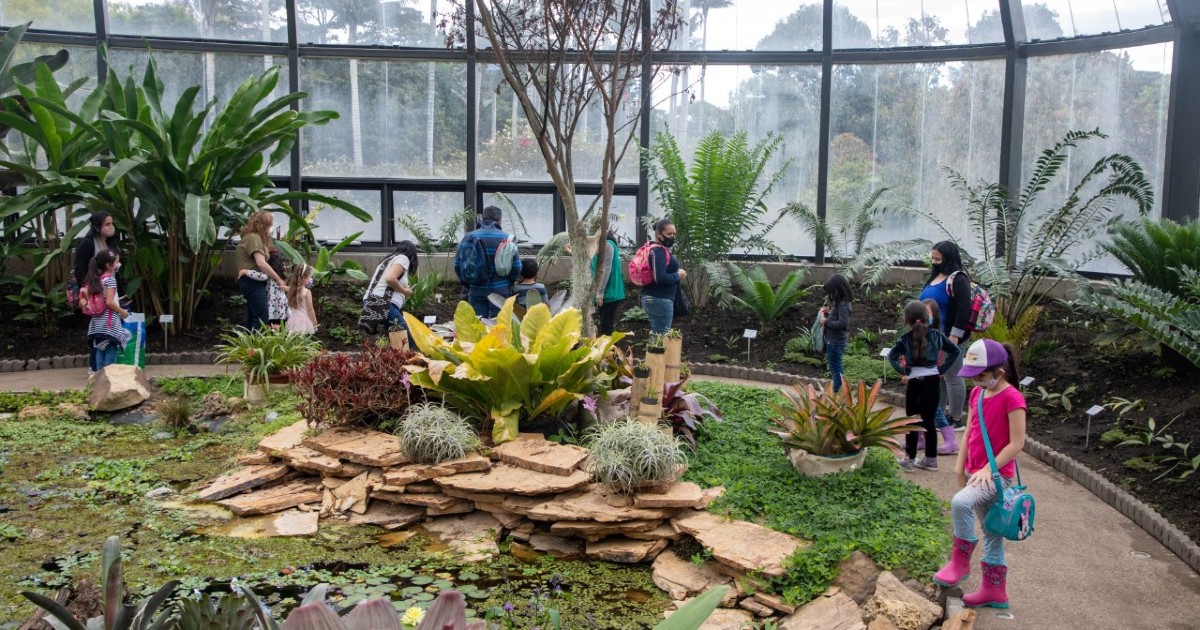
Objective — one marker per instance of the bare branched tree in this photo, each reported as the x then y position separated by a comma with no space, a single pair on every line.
561,57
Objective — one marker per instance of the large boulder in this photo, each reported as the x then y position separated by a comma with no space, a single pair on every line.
856,576
742,546
836,612
118,387
682,578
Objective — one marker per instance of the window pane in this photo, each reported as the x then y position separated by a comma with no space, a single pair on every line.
334,224
535,220
1070,19
1124,93
54,15
784,100
508,150
81,63
397,130
245,20
751,25
900,127
390,22
877,24
441,212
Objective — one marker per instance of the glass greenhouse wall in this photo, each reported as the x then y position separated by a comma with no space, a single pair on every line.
864,94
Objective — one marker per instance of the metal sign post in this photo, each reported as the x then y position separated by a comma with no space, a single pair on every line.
163,321
749,334
1091,413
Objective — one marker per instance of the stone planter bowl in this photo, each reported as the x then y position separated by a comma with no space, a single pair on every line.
811,465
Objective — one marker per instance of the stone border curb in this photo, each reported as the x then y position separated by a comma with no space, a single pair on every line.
1143,515
81,361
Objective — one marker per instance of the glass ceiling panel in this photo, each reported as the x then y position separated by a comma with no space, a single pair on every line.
390,22
1047,19
55,15
244,20
751,25
889,23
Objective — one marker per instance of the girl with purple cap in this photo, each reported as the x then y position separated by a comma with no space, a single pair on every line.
993,367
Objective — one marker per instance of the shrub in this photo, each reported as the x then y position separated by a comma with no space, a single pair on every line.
1155,250
342,389
685,412
628,453
767,303
512,371
431,434
1172,319
176,412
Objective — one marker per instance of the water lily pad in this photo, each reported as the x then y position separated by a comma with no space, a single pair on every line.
467,576
422,580
409,591
423,597
444,584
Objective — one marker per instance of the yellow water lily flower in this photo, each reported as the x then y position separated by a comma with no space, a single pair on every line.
413,616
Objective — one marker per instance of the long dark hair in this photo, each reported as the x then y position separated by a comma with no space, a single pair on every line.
916,316
951,259
1012,372
96,268
97,220
837,288
409,249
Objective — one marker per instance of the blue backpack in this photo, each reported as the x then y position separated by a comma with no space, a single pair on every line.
472,258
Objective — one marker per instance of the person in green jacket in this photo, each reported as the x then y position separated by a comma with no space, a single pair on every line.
611,291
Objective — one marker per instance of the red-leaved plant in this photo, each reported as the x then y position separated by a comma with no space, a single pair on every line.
685,412
367,388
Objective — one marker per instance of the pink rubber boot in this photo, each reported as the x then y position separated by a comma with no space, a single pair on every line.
959,566
921,441
949,442
992,591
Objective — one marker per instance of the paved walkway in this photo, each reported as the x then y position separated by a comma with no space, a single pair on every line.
1079,571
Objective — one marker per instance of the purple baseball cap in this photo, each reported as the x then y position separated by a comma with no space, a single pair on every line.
983,355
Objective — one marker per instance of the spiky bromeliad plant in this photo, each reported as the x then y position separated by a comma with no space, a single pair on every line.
625,454
263,353
512,371
686,412
1024,238
828,424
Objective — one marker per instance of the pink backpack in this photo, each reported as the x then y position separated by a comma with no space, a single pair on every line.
92,305
641,272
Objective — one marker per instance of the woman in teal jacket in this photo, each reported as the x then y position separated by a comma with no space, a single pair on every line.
611,291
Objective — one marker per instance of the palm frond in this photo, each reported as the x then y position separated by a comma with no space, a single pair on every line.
869,267
1173,322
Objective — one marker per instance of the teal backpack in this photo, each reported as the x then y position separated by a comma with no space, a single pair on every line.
1011,515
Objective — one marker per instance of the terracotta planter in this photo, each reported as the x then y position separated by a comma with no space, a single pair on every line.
811,465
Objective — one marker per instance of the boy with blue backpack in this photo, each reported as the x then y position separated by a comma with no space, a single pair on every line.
487,262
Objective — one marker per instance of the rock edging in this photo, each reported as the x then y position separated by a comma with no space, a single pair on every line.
81,361
1146,517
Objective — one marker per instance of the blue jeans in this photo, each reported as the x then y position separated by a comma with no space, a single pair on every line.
833,356
971,503
257,312
100,359
396,319
660,311
481,305
939,418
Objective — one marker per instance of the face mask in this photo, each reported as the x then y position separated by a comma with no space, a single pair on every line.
308,283
937,268
668,241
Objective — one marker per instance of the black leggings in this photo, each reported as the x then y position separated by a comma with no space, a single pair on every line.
257,312
608,316
921,399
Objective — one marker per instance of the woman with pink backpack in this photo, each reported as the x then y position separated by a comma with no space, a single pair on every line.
658,273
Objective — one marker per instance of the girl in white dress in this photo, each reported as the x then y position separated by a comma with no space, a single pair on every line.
302,318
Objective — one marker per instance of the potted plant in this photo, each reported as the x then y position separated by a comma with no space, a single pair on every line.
672,341
264,356
825,432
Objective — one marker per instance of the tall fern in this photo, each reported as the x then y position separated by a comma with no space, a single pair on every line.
844,234
767,302
1022,246
718,204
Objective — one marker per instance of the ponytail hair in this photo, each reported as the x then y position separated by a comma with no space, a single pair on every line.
300,273
97,266
1011,370
916,316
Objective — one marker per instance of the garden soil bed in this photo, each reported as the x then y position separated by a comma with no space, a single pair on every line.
715,334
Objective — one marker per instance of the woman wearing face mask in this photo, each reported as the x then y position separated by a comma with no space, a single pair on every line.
99,238
658,297
993,367
950,287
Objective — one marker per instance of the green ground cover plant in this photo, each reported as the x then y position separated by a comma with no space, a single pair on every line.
897,523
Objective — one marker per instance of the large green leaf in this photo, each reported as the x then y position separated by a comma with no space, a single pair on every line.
198,221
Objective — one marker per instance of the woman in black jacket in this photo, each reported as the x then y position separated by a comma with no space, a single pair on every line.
99,238
950,287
